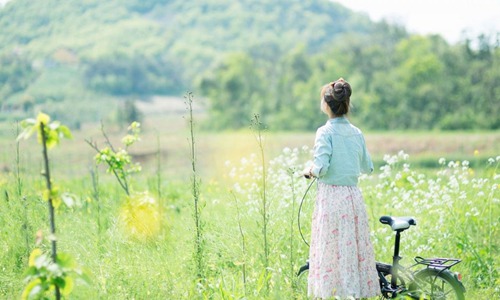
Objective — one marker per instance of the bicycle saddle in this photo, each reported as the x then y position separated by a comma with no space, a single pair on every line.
398,223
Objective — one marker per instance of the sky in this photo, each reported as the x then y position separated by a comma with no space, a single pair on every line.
449,18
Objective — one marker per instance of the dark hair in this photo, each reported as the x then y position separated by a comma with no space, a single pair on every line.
337,95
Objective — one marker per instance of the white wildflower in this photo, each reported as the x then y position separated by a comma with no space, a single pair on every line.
403,155
474,212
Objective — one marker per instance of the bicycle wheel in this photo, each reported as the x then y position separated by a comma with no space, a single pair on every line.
433,284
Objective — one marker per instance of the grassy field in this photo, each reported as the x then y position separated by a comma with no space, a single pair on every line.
144,250
167,134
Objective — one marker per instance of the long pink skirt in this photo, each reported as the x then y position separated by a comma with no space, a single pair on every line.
341,257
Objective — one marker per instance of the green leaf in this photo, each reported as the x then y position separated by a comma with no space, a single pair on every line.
52,131
32,290
33,255
128,140
65,132
68,286
56,202
36,292
29,273
262,280
134,126
29,126
43,118
52,138
60,282
66,261
46,195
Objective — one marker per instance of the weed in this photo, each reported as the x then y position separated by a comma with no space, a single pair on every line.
46,273
118,160
243,242
195,189
258,128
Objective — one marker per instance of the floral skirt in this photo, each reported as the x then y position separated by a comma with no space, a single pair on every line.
341,257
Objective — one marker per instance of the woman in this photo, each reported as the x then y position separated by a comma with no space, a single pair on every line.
341,257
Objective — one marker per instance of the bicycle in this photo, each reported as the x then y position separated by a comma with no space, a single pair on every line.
434,282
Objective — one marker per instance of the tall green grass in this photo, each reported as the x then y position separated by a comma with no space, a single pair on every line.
456,206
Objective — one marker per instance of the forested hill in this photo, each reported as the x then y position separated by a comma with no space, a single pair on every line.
181,38
246,56
93,28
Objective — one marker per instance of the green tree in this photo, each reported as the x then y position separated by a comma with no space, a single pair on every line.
235,92
129,113
119,74
284,108
16,74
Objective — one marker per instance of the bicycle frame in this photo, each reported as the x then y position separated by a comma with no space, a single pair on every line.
396,271
399,225
436,266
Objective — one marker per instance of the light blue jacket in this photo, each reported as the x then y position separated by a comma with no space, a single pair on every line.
340,153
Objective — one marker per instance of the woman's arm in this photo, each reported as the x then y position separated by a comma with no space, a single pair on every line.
322,153
366,161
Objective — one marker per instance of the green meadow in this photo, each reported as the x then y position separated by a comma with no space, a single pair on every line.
146,249
213,210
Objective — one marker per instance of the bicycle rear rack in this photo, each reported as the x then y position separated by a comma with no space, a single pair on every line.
441,263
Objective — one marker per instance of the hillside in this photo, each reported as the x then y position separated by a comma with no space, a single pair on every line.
189,36
79,51
75,59
97,28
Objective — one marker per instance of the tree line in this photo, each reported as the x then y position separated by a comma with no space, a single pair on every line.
417,82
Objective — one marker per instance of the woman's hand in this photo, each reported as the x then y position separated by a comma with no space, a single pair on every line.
307,172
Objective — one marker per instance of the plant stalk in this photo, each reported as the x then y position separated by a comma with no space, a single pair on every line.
96,196
50,204
123,183
292,234
243,243
19,187
196,193
265,204
158,179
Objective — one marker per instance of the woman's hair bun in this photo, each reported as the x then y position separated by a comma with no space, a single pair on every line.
341,90
337,95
